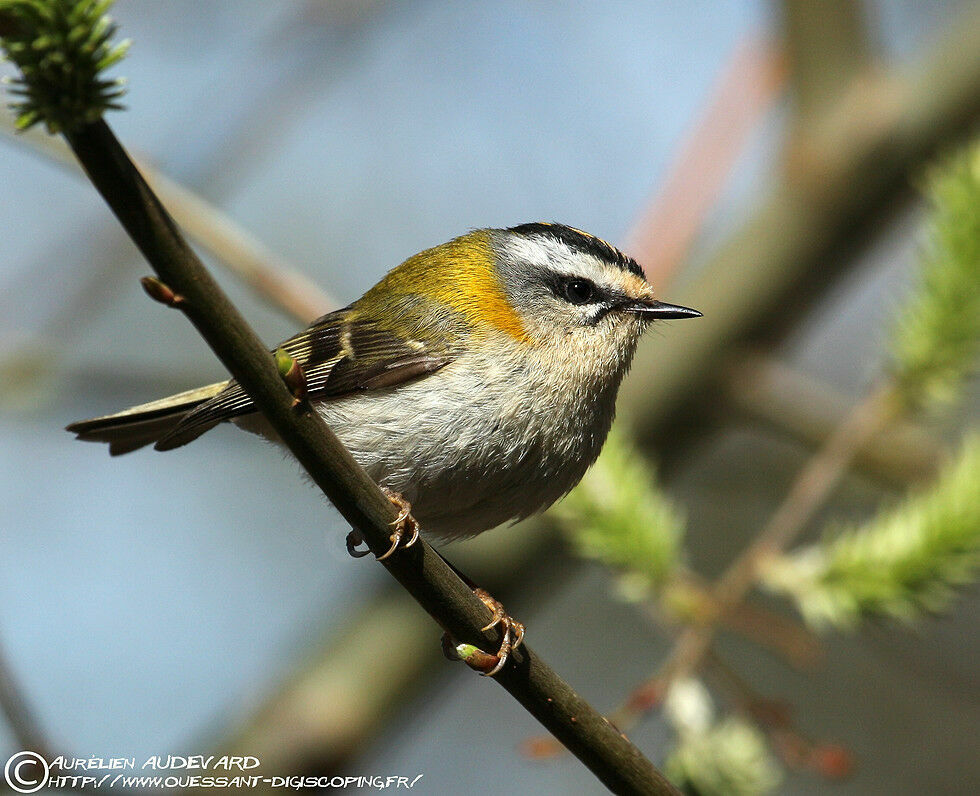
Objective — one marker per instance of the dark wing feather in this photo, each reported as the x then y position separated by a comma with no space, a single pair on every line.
339,355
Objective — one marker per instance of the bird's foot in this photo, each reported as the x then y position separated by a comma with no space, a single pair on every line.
485,663
403,525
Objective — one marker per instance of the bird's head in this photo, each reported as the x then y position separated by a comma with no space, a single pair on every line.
563,281
540,285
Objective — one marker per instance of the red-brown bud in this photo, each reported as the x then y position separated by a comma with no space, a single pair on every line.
158,291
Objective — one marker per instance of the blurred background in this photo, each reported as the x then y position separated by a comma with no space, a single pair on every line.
760,159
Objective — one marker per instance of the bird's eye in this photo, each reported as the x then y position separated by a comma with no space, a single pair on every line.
578,291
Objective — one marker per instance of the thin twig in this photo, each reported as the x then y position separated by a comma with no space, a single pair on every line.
809,491
690,600
812,486
775,718
793,641
589,736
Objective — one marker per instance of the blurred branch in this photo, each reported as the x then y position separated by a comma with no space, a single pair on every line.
23,724
785,636
271,277
662,236
827,47
853,169
794,403
823,471
689,600
324,713
796,644
599,519
933,345
775,718
810,488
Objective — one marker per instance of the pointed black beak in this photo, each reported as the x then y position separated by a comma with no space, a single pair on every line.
659,309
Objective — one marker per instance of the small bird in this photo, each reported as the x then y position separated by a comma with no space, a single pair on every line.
476,382
478,379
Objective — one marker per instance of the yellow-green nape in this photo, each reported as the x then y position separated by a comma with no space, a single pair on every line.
460,274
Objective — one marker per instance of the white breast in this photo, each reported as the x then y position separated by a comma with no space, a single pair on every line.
481,441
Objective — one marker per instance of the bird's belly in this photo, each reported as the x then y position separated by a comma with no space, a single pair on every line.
467,465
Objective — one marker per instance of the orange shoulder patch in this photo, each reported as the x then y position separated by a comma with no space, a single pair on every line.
460,274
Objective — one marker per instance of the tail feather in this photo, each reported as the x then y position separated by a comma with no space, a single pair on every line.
141,425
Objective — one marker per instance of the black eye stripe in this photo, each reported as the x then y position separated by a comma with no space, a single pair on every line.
580,291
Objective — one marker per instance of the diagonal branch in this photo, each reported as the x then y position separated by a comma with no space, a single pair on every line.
599,745
823,471
828,47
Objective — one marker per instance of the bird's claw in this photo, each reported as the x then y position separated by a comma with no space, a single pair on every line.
404,524
513,636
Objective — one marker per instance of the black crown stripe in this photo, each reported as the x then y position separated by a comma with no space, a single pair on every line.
580,241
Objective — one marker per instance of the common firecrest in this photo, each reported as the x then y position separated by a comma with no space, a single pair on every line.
478,379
